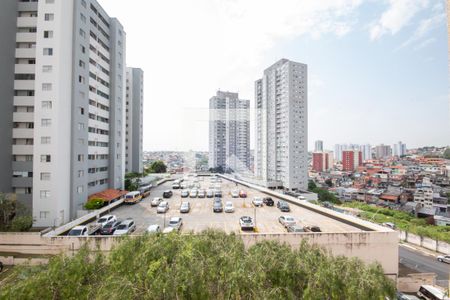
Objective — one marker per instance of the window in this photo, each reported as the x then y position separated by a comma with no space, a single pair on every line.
44,214
80,189
82,110
80,126
49,17
45,140
46,104
81,79
48,34
82,64
45,158
45,176
46,86
80,157
45,194
83,18
46,122
80,173
48,51
47,68
83,49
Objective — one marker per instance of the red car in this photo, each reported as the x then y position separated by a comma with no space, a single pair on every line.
243,194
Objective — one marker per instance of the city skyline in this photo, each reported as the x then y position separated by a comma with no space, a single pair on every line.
405,76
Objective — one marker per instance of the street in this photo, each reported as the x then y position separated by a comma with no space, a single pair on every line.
424,264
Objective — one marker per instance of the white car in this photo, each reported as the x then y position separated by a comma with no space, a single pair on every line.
185,207
444,258
246,222
193,193
176,222
106,219
156,201
125,227
229,208
79,231
184,193
258,201
286,221
169,230
163,207
235,194
201,194
154,228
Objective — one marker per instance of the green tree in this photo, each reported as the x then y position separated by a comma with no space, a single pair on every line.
94,203
311,186
158,166
210,265
13,215
447,153
22,223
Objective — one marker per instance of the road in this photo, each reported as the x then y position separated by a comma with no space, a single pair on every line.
423,263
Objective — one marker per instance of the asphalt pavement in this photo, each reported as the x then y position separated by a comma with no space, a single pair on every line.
423,263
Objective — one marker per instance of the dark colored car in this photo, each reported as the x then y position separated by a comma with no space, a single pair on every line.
217,206
283,206
109,228
167,194
268,201
218,194
312,229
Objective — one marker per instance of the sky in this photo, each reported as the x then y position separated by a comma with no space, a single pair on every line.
377,69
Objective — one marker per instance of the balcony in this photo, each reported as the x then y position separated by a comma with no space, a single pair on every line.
22,149
25,52
24,69
24,100
22,181
23,117
26,21
27,37
22,133
24,84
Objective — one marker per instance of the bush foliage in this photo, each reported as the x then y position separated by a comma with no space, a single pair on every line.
94,203
211,265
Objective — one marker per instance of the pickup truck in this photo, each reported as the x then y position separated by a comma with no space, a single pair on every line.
84,230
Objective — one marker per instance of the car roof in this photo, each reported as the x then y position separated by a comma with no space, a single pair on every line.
246,217
153,226
175,218
127,221
79,227
107,216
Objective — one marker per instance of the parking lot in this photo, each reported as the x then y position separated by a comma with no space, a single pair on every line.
201,215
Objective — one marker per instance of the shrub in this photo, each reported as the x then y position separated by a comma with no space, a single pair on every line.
94,203
21,223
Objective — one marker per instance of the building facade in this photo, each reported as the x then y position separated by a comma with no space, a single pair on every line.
351,159
134,120
383,151
281,154
318,146
322,161
64,99
229,132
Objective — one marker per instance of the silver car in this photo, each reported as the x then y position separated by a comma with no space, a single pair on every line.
163,207
185,207
176,222
286,221
444,258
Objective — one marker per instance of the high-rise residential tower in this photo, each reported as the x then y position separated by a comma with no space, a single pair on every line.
281,153
63,93
134,118
229,132
318,146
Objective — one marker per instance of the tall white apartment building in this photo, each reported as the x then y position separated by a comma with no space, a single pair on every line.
134,119
318,146
63,93
229,132
281,153
366,151
399,149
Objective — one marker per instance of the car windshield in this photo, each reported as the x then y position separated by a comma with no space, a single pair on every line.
162,204
121,227
109,225
101,220
229,204
246,220
75,232
289,219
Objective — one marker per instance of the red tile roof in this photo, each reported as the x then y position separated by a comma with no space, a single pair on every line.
109,194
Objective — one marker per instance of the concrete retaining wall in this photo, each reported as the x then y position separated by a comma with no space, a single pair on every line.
412,282
427,243
13,261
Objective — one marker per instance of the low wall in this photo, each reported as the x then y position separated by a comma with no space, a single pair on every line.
424,242
13,261
381,247
412,282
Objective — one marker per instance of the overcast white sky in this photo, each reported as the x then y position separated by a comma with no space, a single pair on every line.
354,48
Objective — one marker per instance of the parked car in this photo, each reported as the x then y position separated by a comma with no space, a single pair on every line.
163,207
268,201
444,258
217,206
185,207
176,222
125,227
154,228
155,201
210,193
401,296
246,223
235,194
176,185
184,193
167,194
201,194
283,206
257,202
169,229
79,231
109,227
193,193
243,194
295,228
286,221
217,193
229,208
106,219
312,229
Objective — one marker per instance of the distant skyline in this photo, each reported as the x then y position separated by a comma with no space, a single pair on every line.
378,70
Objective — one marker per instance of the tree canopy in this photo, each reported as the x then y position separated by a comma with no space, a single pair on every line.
211,265
158,166
13,215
